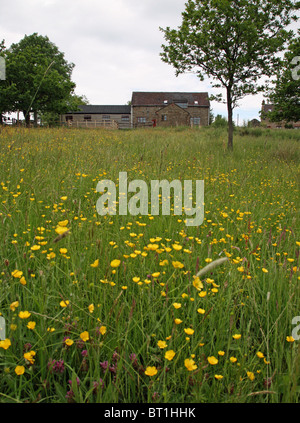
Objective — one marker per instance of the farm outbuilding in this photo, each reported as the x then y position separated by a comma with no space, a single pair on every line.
110,116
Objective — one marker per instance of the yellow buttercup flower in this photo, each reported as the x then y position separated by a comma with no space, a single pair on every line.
61,230
102,330
189,331
23,280
95,264
151,371
136,279
31,325
236,336
85,336
29,356
14,305
20,370
152,247
35,247
51,255
250,375
17,273
162,344
63,223
115,263
177,247
190,364
212,360
24,314
169,355
177,265
5,344
197,283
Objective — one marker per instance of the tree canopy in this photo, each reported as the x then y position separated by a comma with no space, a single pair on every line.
285,96
232,42
38,78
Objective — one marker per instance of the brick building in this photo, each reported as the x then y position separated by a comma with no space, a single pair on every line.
169,109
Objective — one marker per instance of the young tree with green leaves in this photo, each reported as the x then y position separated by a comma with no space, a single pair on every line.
286,93
41,76
233,42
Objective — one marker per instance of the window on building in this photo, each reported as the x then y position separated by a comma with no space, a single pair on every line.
141,120
163,117
106,117
87,117
125,118
69,118
196,103
196,121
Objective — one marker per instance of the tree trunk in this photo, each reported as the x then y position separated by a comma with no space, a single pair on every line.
35,114
27,118
230,122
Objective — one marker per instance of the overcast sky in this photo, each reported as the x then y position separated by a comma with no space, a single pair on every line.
114,44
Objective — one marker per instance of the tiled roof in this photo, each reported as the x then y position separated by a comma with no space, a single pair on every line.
109,109
140,98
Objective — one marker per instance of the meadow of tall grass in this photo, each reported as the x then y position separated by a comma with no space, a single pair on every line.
108,309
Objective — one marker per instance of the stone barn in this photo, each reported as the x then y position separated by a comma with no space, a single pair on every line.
169,109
